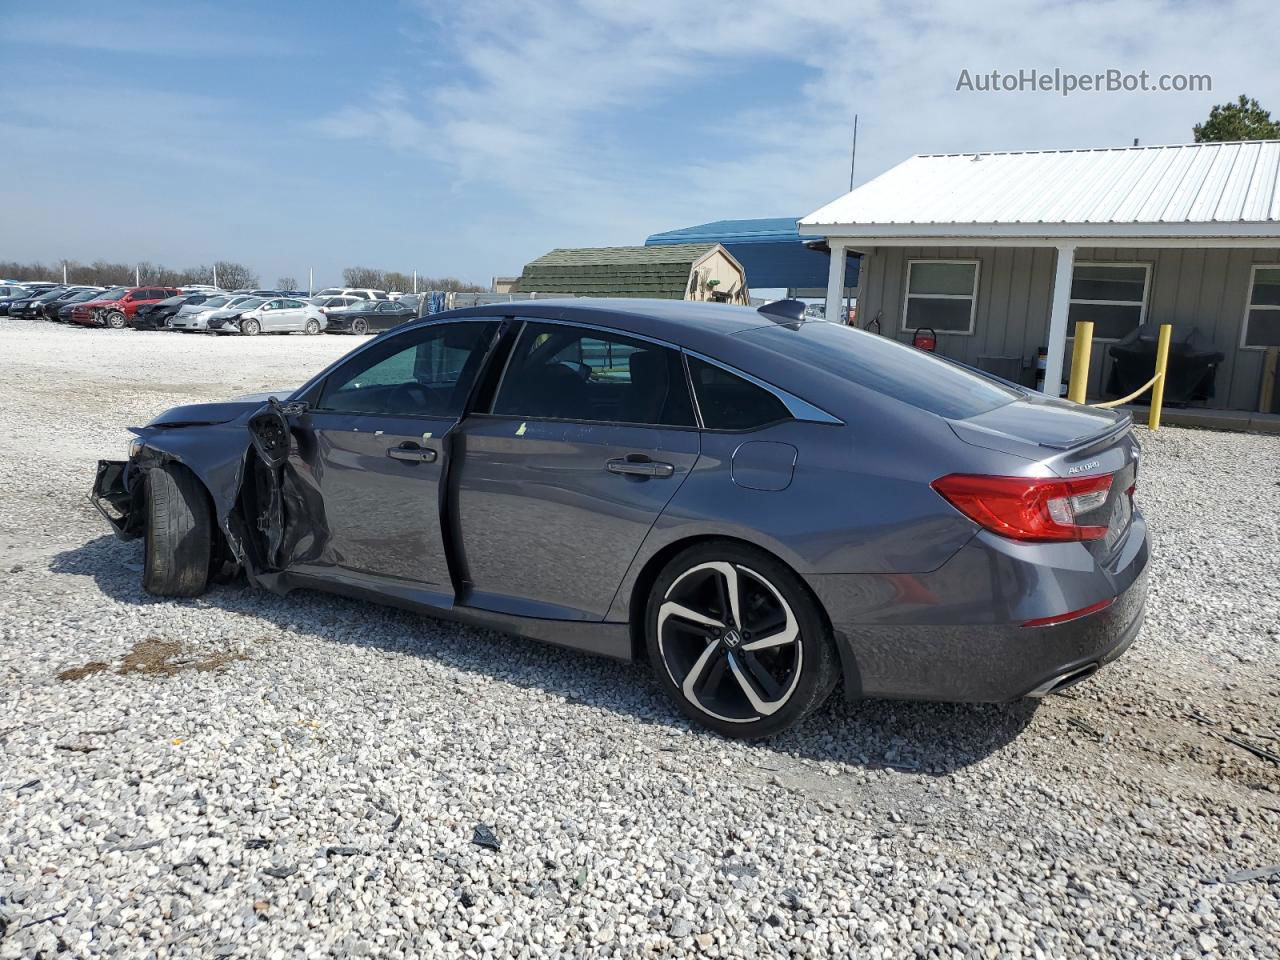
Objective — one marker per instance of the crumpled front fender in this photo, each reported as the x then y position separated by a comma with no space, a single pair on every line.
264,507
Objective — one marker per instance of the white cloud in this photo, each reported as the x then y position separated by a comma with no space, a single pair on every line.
544,96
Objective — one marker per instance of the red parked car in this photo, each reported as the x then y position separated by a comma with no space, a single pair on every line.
116,307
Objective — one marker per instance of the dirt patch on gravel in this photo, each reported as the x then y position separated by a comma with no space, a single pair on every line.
79,673
156,657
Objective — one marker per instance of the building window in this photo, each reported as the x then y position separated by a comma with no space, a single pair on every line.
941,295
1112,295
1262,315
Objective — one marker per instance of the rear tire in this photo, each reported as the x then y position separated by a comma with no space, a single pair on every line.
313,327
721,670
178,545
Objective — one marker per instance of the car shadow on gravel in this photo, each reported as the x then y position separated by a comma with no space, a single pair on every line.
930,738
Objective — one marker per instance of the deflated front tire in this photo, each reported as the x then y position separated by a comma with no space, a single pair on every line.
179,535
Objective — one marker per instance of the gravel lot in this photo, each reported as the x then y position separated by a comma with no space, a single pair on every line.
245,775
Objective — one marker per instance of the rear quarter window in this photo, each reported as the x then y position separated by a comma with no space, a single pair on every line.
888,367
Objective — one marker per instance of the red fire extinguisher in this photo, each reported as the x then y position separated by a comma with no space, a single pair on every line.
925,339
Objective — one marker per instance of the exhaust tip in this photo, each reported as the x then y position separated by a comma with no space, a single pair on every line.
1063,680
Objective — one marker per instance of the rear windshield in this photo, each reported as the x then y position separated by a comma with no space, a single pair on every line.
889,367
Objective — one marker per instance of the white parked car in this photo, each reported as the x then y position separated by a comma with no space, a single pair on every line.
274,315
364,293
335,301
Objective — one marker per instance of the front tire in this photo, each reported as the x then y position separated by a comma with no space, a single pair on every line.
359,326
251,328
738,641
178,545
116,320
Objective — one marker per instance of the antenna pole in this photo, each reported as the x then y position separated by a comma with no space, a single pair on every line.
853,154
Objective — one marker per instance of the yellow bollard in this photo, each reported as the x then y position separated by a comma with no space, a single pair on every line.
1162,363
1080,358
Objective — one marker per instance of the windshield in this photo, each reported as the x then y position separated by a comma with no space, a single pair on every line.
115,293
215,302
888,367
246,303
85,295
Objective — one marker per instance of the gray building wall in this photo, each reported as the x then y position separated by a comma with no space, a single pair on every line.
1206,288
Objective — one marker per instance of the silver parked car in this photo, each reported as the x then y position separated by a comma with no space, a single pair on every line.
759,505
274,315
198,316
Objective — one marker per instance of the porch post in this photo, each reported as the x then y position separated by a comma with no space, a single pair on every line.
835,279
1058,319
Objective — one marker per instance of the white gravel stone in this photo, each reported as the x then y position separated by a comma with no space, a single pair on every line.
141,812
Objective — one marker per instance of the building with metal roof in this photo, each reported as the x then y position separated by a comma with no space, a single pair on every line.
686,271
1001,253
771,250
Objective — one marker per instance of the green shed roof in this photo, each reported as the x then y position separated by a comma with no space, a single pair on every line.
660,272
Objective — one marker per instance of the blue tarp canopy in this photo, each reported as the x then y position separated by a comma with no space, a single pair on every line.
771,250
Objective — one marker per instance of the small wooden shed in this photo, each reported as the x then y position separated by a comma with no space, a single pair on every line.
682,271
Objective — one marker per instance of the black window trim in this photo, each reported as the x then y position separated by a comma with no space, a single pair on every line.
312,392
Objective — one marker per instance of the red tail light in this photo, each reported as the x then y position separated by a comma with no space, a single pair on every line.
1028,508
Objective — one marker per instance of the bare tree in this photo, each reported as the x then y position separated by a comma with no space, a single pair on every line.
363,277
287,283
235,276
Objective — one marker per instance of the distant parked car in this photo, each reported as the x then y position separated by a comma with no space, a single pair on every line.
334,301
50,308
46,307
65,307
17,306
37,306
11,293
370,316
276,315
195,318
155,316
364,293
116,307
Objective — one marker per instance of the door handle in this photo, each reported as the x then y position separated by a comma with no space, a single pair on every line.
639,468
413,454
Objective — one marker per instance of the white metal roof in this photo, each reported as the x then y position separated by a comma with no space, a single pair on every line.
1194,189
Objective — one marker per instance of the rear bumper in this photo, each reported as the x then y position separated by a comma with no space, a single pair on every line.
957,634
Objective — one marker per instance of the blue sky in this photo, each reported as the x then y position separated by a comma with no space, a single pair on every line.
468,138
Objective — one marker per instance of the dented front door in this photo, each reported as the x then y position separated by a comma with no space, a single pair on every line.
377,456
379,478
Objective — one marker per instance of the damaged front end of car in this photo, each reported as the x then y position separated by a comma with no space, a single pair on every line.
257,476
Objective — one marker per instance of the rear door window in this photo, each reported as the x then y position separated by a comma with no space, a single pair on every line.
561,372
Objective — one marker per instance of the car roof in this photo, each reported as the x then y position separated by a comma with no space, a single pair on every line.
701,327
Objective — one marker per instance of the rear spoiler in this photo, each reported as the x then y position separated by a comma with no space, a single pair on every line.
1093,439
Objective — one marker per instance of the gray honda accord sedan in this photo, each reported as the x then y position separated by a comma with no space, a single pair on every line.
762,506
